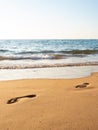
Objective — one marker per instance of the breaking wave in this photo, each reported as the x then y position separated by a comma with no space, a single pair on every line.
48,65
47,54
60,52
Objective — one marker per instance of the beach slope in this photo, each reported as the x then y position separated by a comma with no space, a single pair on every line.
49,104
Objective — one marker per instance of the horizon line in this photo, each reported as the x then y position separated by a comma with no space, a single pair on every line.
49,39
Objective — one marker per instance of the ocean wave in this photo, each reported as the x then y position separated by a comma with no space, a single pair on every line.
48,65
40,57
59,52
4,50
29,55
36,52
33,57
83,52
4,58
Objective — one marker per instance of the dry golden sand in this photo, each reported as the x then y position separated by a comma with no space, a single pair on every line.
58,105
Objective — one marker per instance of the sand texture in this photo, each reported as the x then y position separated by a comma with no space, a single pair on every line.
46,104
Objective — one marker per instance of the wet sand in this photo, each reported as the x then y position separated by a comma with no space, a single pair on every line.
47,73
49,104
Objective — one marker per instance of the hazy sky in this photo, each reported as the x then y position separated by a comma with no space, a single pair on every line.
24,19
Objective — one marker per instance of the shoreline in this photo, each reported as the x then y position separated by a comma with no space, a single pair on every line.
47,73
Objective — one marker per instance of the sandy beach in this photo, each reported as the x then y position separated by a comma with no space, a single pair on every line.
49,65
49,104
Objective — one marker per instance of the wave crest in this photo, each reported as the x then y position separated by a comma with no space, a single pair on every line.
47,65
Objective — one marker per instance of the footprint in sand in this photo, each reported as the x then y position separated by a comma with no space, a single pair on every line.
82,85
13,100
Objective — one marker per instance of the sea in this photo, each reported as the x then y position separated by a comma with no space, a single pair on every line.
22,54
53,54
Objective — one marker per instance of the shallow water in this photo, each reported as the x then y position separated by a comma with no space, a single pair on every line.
47,73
